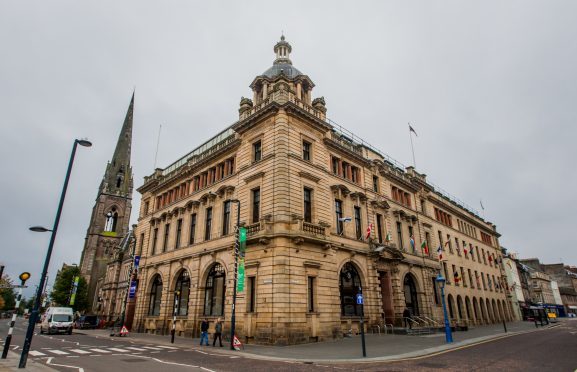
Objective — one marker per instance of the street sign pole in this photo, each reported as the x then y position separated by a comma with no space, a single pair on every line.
360,301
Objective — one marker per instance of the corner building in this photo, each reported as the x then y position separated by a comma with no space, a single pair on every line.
309,192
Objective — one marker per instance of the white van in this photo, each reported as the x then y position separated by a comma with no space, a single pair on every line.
57,320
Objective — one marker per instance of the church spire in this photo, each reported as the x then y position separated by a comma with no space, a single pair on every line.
118,176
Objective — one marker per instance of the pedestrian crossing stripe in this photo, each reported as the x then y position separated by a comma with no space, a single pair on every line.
100,351
36,353
57,352
134,348
167,347
118,350
150,347
79,351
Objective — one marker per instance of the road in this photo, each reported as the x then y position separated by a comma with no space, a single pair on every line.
552,350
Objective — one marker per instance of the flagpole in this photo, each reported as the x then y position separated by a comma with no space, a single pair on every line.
412,147
157,145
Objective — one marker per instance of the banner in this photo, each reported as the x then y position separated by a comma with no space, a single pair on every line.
136,262
240,282
132,290
74,288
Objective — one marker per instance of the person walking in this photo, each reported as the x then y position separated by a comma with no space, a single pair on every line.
407,318
204,331
217,332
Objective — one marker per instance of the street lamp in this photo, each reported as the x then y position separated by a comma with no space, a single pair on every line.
236,251
37,301
441,281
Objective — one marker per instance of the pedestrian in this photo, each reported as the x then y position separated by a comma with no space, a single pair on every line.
217,332
407,318
204,331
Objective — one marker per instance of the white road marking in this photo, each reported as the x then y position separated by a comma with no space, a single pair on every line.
202,352
167,347
100,351
118,350
49,362
57,352
234,357
36,353
79,351
206,369
133,348
173,363
151,348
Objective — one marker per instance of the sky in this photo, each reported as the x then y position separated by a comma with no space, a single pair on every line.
490,87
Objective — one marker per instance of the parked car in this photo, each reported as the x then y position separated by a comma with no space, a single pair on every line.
87,322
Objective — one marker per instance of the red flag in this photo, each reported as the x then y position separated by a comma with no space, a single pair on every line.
369,230
425,247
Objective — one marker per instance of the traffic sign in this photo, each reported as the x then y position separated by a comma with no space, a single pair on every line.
359,299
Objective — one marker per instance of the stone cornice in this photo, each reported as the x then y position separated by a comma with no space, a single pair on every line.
336,146
253,177
309,176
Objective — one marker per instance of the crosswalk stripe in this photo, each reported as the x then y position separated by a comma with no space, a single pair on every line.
167,347
36,353
133,348
150,347
100,351
118,350
78,351
57,352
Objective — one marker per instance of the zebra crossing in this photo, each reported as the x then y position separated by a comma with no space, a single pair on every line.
94,350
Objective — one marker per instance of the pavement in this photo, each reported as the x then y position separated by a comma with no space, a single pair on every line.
13,359
379,347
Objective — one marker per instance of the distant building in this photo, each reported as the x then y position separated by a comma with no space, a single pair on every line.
110,215
516,296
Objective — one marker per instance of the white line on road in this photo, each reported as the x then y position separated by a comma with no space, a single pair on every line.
72,356
151,348
202,352
206,369
172,363
49,362
79,351
57,352
36,353
100,351
167,347
118,350
133,348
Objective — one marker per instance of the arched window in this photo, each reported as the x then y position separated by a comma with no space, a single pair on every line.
460,306
155,296
182,293
350,286
111,219
411,298
214,291
451,304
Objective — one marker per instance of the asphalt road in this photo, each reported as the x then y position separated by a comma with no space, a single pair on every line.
552,350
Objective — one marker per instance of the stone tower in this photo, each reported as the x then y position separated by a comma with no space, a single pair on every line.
109,222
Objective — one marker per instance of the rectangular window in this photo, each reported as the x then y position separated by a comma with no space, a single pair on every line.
411,236
226,218
447,277
251,294
311,294
255,205
307,196
140,244
478,256
192,232
178,233
154,240
306,150
483,280
256,151
463,277
380,228
483,254
423,207
339,216
428,240
436,295
440,239
146,206
453,272
400,234
449,242
165,241
208,224
375,184
471,251
470,278
335,165
358,228
457,246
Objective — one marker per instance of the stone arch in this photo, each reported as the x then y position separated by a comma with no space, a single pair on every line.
214,285
497,309
460,306
451,305
484,316
350,284
468,309
411,293
490,315
476,311
154,295
180,288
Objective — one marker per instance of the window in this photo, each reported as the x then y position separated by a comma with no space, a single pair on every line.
449,243
358,229
214,291
457,246
146,206
192,232
311,294
111,220
380,228
178,233
478,256
208,224
165,241
306,150
440,239
141,244
483,254
400,234
435,294
423,207
250,294
443,217
447,277
375,184
411,236
401,196
470,278
226,218
486,238
339,216
155,296
350,286
483,280
428,239
307,196
182,293
154,240
463,277
455,272
335,165
255,205
256,151
471,251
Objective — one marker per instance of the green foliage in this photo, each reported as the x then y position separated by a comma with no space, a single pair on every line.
63,289
7,295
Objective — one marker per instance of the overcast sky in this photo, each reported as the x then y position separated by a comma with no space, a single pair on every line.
489,86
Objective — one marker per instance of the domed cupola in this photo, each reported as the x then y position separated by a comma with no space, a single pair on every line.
283,73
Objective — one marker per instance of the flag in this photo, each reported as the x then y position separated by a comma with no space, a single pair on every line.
446,243
465,250
369,230
456,277
440,253
412,130
345,219
481,202
425,247
490,258
389,237
412,241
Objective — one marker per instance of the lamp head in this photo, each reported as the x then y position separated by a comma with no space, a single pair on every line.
439,279
39,229
83,142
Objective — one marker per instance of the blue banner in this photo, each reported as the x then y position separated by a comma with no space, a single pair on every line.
132,290
136,262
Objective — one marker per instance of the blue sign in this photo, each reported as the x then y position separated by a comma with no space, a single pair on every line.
132,290
359,299
136,262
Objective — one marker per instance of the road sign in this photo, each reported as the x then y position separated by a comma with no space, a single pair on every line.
359,299
236,343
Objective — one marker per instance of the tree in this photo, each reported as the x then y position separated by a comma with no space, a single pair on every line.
7,295
63,289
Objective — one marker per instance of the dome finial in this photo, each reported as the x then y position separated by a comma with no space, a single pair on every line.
282,50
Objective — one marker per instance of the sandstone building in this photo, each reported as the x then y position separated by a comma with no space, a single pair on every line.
110,215
309,194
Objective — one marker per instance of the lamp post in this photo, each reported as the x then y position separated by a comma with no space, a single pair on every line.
236,252
34,314
448,335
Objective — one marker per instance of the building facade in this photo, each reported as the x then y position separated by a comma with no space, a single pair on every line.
328,217
110,217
